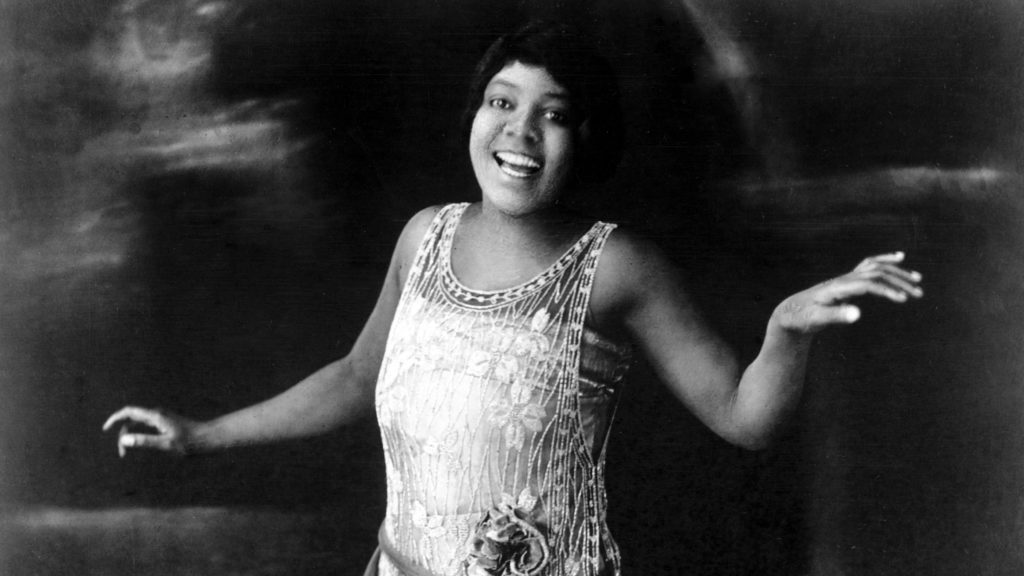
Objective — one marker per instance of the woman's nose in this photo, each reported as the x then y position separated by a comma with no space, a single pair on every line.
521,124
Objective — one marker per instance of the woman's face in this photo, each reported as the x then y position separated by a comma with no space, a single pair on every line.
522,140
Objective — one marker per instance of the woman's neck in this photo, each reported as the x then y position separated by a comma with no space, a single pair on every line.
493,250
545,228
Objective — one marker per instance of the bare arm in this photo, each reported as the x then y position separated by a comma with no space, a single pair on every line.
640,290
335,395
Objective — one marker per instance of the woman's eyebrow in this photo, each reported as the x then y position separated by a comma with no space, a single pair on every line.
553,94
558,95
503,83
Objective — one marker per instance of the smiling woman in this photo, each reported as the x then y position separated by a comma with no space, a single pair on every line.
580,91
496,351
198,203
521,144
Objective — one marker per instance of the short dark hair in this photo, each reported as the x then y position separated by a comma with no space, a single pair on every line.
572,61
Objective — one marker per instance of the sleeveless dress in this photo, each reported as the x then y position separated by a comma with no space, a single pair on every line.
494,409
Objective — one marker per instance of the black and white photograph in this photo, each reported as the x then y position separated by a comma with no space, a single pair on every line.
511,288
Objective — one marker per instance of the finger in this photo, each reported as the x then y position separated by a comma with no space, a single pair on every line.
827,315
900,283
890,258
142,415
849,287
150,441
911,276
122,414
120,435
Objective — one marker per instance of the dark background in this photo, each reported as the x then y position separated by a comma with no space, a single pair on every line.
198,200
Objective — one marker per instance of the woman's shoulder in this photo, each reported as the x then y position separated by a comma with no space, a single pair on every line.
417,226
414,232
630,258
419,223
630,268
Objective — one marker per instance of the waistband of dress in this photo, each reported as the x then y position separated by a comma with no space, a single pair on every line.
404,564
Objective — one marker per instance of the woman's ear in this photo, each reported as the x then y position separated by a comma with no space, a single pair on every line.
584,127
583,136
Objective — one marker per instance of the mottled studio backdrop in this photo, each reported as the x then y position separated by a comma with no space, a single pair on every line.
198,200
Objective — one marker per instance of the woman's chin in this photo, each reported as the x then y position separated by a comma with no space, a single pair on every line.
518,199
517,207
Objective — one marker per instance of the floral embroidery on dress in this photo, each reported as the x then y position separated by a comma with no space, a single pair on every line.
447,446
481,427
540,320
520,392
516,419
526,500
393,402
483,363
432,525
531,344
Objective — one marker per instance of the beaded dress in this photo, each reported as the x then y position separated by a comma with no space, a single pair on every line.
494,409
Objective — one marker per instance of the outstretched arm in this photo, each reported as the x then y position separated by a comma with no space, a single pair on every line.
771,385
333,396
640,290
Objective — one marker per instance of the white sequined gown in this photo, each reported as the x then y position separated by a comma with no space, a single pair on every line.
490,397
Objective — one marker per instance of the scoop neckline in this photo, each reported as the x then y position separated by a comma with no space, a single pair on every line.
538,279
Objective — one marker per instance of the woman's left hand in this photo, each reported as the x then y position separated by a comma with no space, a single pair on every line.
827,303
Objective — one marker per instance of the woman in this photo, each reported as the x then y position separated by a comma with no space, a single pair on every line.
498,344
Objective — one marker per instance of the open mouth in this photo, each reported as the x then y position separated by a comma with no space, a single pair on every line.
517,165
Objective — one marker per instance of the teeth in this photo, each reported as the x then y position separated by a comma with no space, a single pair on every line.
517,160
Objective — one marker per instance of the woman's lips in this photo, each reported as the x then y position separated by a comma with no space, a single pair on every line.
517,165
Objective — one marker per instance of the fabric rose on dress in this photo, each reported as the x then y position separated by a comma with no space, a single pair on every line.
507,542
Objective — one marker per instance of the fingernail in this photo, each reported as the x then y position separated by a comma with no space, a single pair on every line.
916,276
852,314
128,441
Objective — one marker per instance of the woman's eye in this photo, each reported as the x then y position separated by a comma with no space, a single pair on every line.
557,116
500,103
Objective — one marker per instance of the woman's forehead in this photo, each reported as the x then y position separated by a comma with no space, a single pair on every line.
517,75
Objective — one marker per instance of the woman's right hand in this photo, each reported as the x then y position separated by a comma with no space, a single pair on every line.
174,433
